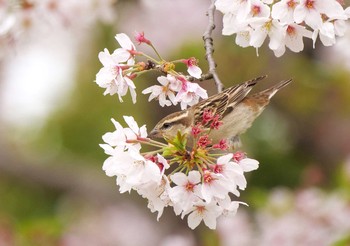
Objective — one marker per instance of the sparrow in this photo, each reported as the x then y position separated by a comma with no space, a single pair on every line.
237,111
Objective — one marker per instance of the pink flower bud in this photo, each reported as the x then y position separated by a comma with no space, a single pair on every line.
238,156
215,124
207,116
196,130
221,145
140,38
203,141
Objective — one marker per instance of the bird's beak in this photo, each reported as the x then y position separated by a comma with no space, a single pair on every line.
155,134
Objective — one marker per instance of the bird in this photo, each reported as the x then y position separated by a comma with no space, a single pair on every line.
236,108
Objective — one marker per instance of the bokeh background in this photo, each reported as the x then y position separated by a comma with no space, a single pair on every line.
52,116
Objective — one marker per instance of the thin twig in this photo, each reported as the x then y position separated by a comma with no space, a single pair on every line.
203,77
209,48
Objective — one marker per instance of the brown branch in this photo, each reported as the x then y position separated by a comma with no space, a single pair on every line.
204,77
209,47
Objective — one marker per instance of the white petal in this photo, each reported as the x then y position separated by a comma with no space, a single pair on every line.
230,24
124,41
257,38
105,58
121,55
195,71
243,39
280,51
109,150
131,123
224,159
300,13
248,164
210,221
194,177
193,220
163,80
179,178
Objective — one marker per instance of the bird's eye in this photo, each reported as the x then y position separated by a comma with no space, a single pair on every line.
166,125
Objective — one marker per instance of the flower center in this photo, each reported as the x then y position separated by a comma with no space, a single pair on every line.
291,4
291,30
268,25
218,168
207,178
200,209
189,186
256,10
309,4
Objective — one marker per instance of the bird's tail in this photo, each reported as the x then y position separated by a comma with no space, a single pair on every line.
272,91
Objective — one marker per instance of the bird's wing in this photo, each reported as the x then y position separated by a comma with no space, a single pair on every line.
219,103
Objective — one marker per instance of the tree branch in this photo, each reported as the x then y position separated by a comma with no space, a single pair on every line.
209,47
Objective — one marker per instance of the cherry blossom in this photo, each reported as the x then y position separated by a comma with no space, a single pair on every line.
311,11
186,191
190,93
195,187
286,22
284,10
169,85
214,186
293,39
127,51
208,212
232,171
111,75
192,67
258,9
136,131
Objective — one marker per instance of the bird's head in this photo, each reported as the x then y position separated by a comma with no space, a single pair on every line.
169,126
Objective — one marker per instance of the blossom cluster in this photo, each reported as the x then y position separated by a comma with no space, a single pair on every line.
285,22
199,181
18,17
122,66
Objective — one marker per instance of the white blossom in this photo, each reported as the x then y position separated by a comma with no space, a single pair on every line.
124,53
186,192
248,164
286,22
169,85
202,193
232,172
214,186
311,11
293,39
189,94
111,76
208,212
284,10
264,27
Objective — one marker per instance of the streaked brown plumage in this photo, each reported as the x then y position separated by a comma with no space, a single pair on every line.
237,109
